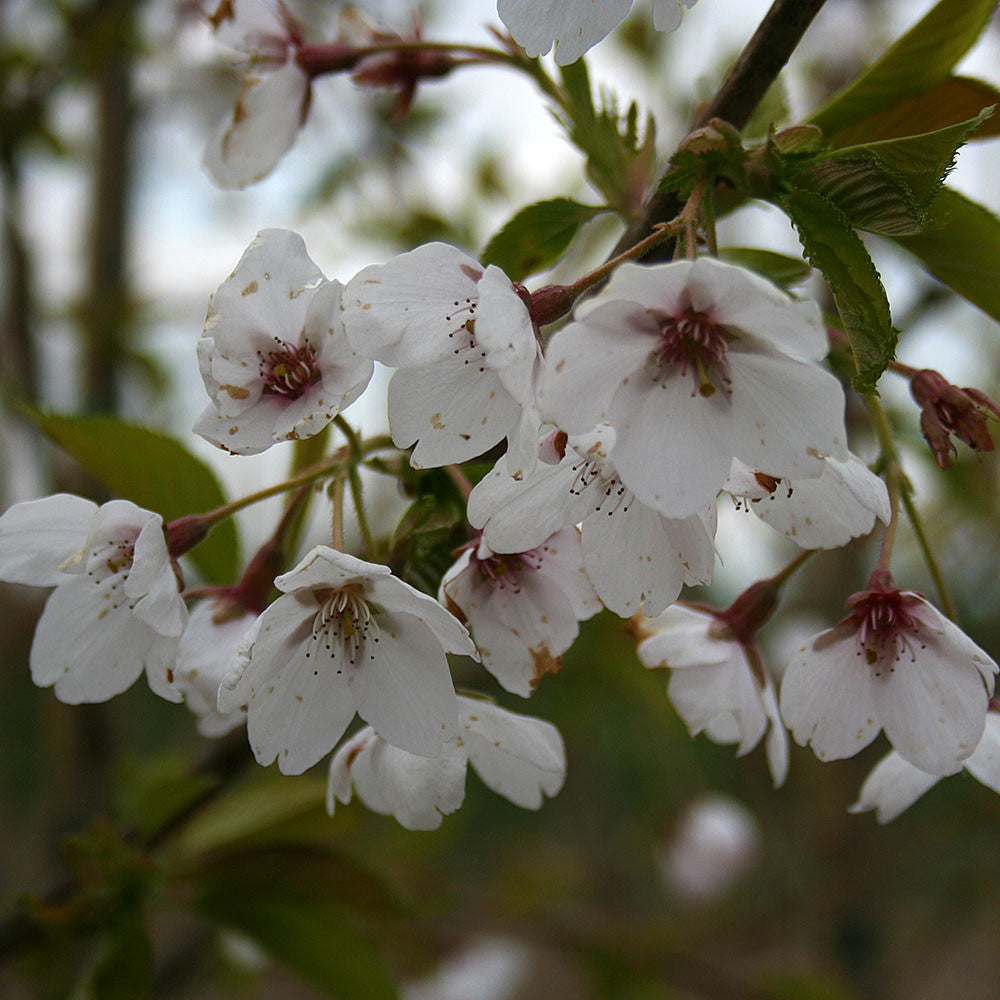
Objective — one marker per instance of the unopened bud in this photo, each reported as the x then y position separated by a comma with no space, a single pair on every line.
551,302
186,532
946,411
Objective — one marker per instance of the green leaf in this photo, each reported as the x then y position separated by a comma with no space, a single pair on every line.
776,267
831,245
619,161
537,236
152,470
920,162
955,99
921,59
960,246
123,968
153,792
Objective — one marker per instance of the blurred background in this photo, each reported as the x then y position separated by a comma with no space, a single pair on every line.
666,868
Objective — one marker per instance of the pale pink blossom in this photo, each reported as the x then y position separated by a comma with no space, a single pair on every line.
116,609
345,636
635,558
718,682
895,663
575,26
517,756
895,784
465,345
695,364
273,355
522,608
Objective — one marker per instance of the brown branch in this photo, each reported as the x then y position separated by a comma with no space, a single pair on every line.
756,68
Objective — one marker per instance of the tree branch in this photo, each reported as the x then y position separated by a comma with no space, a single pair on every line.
756,68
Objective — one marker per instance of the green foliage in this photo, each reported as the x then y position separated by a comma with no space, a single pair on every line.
123,966
921,59
784,271
960,246
954,99
537,236
619,159
831,245
152,470
155,792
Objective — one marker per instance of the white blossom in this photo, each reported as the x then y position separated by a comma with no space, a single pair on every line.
575,26
894,784
345,635
714,353
718,684
466,347
273,355
517,756
635,558
895,663
207,648
274,101
825,512
522,608
116,609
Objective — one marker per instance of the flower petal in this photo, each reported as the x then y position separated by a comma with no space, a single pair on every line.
573,25
892,787
38,536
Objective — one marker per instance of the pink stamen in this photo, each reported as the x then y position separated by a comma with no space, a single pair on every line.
692,343
289,370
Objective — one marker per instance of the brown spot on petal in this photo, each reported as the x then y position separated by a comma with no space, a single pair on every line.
436,422
766,482
470,271
454,608
235,391
545,663
251,288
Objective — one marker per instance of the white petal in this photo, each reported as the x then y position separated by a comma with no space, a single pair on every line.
661,288
401,312
679,638
574,25
588,360
984,764
931,702
152,581
453,411
826,695
90,649
517,756
262,128
402,686
787,414
678,472
630,560
892,787
160,661
562,561
667,14
325,567
776,743
38,536
504,330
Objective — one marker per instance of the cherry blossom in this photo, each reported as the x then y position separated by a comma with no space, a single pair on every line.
825,512
465,343
116,609
894,784
207,648
273,355
718,683
522,608
274,101
714,353
635,558
517,756
345,635
895,663
575,26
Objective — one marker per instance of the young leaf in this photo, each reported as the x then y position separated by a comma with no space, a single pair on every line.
831,245
960,246
922,58
152,470
537,236
776,267
953,100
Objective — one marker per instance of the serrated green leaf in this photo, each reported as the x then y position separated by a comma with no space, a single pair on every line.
960,246
953,100
776,267
537,236
867,193
919,60
921,162
309,936
831,245
152,470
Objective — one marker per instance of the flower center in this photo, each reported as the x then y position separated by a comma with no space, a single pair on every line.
606,490
463,337
343,626
691,343
288,370
886,626
108,567
502,569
